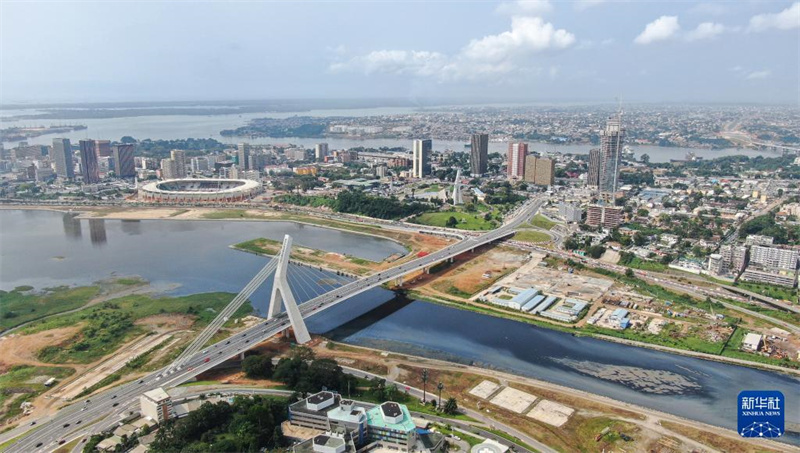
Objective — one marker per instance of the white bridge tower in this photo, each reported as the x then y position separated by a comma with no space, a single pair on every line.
282,295
457,200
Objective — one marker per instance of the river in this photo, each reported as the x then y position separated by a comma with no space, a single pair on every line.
46,249
208,126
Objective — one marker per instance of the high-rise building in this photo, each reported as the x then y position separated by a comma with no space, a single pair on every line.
156,405
124,166
570,212
421,158
243,153
773,258
516,159
540,171
179,156
102,148
320,151
169,169
90,170
611,140
595,162
62,157
606,216
479,154
199,164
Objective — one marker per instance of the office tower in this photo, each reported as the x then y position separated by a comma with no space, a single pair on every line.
545,174
62,157
516,160
179,156
169,169
320,151
102,148
243,154
421,156
611,140
595,161
123,161
479,154
90,171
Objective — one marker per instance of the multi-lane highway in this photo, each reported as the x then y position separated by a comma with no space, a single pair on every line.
105,409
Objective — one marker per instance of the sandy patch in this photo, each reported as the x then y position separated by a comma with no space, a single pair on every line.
21,349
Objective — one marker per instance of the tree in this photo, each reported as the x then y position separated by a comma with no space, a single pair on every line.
645,158
629,273
424,384
451,406
257,367
451,222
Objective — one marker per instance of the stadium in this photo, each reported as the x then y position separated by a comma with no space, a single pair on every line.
199,190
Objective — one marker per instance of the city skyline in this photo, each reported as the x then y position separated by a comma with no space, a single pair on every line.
528,51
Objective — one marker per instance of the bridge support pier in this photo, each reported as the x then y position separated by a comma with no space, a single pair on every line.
282,295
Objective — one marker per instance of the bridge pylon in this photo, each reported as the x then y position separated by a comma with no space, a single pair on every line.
282,295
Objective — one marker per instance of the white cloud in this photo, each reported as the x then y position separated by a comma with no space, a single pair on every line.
583,5
706,30
527,35
487,57
665,27
525,7
758,75
784,20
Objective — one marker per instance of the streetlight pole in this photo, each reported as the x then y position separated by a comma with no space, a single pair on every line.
424,385
440,387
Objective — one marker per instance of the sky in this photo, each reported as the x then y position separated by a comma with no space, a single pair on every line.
527,51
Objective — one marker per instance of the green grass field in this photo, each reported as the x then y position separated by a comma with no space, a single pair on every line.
773,291
531,236
22,304
542,222
106,326
466,221
23,383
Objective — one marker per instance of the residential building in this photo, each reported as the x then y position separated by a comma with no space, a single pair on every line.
479,154
156,405
199,164
516,160
757,239
773,258
752,342
169,169
90,170
570,212
124,166
179,156
605,216
320,151
24,151
717,265
62,157
243,155
295,154
421,156
779,277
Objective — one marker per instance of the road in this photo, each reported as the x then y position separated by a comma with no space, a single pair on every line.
66,424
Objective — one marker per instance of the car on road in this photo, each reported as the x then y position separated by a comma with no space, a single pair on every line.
61,442
33,422
115,405
78,422
114,397
66,425
206,360
38,445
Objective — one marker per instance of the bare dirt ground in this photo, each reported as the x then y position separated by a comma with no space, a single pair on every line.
166,322
469,273
22,349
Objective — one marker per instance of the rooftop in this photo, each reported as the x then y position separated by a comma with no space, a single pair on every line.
376,418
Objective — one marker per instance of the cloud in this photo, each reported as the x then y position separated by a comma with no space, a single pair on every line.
706,30
663,28
527,35
490,56
524,7
784,20
758,75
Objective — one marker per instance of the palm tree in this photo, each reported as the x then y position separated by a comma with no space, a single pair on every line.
424,384
440,387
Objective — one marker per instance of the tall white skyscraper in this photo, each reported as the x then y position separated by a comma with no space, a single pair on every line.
179,156
320,151
611,140
421,157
